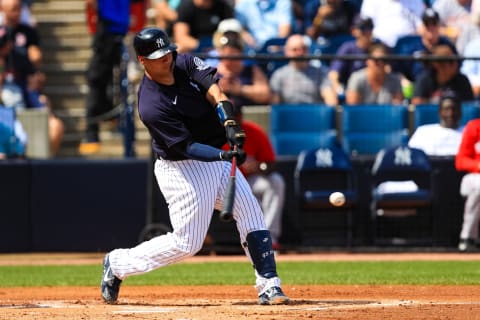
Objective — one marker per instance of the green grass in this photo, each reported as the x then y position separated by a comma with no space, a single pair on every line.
348,273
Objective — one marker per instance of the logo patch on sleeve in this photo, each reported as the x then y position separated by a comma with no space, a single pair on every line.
200,64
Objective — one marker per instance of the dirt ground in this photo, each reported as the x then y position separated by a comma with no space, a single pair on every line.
239,302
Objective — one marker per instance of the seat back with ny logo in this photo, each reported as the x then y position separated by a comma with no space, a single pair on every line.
321,171
402,196
402,163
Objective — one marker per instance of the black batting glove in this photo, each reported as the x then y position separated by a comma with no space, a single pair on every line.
238,153
235,134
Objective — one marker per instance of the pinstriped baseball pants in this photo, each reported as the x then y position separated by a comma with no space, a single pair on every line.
192,190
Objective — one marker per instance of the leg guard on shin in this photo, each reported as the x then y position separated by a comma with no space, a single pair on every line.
259,245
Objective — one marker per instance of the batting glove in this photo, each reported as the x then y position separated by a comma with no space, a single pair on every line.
235,134
239,154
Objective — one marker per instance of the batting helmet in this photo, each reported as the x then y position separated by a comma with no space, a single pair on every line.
153,43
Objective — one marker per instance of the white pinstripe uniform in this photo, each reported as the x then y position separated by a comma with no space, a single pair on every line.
193,188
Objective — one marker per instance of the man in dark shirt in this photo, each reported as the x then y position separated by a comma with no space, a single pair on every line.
176,102
197,21
444,74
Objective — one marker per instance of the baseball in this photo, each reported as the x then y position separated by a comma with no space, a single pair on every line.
337,199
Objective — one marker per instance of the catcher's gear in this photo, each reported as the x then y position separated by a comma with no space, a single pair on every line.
153,43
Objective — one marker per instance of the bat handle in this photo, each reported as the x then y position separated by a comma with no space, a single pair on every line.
226,214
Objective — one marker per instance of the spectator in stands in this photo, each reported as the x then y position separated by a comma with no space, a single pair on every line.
471,67
443,138
454,17
444,74
166,14
374,84
243,84
430,37
298,9
267,184
26,16
228,25
340,70
112,22
19,86
393,18
197,21
26,38
468,160
299,81
328,18
15,148
264,19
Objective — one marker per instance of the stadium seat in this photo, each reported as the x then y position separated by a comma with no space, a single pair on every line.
318,173
330,45
428,113
366,129
402,196
273,47
205,44
297,127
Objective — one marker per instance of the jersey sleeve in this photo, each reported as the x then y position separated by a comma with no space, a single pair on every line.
467,158
199,71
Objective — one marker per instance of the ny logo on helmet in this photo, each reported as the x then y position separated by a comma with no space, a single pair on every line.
160,43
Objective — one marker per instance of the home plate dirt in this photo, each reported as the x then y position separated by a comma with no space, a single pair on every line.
238,302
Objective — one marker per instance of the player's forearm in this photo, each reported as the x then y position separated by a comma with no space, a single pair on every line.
215,94
202,152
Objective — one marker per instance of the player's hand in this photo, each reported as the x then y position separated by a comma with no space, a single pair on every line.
235,134
238,153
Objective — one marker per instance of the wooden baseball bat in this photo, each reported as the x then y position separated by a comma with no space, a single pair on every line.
226,214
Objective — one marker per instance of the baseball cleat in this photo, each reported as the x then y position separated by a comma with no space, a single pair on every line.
110,284
274,295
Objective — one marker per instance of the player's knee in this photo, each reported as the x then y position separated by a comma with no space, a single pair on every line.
187,248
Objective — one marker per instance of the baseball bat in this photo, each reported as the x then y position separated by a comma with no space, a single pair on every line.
226,214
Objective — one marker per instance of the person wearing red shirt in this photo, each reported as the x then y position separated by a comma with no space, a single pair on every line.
468,160
267,184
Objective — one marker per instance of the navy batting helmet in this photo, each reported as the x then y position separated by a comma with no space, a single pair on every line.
153,43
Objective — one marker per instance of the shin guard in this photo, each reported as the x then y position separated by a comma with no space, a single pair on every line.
259,245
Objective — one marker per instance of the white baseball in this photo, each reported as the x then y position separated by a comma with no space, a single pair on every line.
337,199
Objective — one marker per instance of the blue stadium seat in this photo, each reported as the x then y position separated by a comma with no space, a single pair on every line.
366,129
330,45
205,44
275,48
296,127
428,113
405,43
402,192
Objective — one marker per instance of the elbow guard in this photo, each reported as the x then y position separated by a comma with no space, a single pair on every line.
226,112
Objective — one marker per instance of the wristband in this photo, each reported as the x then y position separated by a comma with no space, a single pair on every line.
225,111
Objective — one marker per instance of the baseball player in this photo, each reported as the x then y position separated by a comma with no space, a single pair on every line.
468,160
181,104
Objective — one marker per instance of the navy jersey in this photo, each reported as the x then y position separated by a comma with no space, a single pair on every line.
180,113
